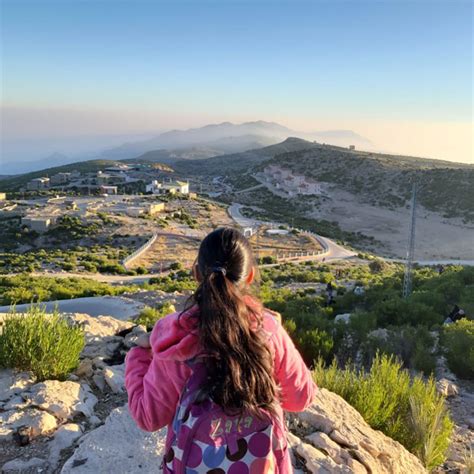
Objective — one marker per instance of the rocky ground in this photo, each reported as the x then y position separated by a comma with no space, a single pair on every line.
82,425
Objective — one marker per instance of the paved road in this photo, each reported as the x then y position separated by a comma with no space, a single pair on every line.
333,251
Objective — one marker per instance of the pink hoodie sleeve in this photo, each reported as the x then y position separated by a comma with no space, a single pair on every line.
292,374
153,387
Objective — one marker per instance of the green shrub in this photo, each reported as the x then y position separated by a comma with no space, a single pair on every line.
47,345
149,316
314,344
458,342
408,410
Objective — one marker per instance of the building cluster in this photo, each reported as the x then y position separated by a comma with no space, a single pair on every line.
111,176
292,184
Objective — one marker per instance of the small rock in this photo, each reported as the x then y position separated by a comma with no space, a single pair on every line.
131,338
345,317
115,377
447,388
23,465
73,378
85,368
99,381
37,422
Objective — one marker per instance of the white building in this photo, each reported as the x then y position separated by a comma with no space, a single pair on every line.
38,224
171,187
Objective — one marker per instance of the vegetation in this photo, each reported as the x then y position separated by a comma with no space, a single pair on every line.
149,316
25,289
180,280
46,345
458,342
380,319
407,409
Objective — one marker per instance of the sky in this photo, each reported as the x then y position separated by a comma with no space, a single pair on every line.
398,72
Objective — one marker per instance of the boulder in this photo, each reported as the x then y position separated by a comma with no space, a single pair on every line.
115,377
64,400
32,422
335,438
118,444
100,326
64,438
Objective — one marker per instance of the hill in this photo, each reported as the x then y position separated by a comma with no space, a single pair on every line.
15,182
227,137
386,180
239,162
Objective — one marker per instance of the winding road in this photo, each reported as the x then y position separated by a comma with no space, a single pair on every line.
332,251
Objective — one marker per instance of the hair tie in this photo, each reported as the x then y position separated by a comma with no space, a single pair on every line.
219,270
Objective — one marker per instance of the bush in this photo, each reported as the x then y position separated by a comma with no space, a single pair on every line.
408,410
457,340
46,345
149,316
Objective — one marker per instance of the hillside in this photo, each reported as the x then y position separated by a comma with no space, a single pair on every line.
239,162
386,180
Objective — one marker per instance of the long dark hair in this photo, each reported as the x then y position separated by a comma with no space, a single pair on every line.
238,360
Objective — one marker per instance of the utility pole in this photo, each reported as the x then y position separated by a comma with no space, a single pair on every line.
407,280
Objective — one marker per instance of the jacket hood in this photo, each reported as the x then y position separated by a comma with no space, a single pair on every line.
175,336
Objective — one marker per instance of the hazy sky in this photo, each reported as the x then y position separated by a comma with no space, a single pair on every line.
397,72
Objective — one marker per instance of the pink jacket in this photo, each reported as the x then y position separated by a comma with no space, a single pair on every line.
155,377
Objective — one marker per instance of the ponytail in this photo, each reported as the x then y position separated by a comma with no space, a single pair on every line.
239,362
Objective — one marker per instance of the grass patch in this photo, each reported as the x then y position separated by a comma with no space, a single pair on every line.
407,409
47,345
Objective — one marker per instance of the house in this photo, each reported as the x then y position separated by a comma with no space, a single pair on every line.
60,178
38,224
352,147
170,187
3,196
37,184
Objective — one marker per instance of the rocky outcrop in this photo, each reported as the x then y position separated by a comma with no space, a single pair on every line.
87,415
333,437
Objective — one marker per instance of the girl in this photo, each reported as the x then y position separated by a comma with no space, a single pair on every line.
220,373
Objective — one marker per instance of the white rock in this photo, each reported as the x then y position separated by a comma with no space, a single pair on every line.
13,383
22,465
115,377
64,437
447,388
120,446
332,415
37,422
345,317
63,399
100,326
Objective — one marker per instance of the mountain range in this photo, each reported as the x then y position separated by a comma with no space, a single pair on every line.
224,138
